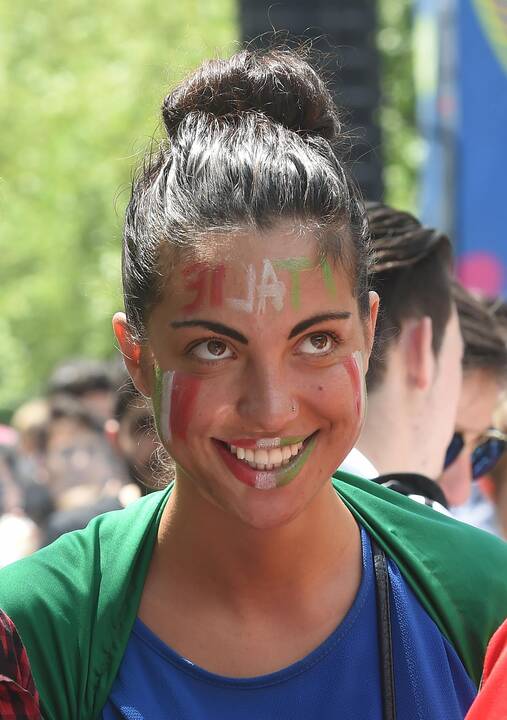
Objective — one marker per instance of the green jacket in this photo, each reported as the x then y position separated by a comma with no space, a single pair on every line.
74,602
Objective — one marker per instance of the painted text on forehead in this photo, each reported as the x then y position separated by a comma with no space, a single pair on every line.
251,288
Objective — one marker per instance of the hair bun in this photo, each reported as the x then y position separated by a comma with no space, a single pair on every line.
281,85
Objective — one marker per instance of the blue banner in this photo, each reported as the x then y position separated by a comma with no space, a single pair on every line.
481,188
434,69
463,117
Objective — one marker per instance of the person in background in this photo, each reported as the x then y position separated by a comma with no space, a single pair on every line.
414,376
84,474
30,421
487,506
19,533
19,699
476,444
92,382
493,487
133,436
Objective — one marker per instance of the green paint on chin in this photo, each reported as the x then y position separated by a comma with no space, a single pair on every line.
286,476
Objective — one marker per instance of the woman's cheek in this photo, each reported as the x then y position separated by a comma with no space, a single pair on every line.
343,393
174,403
354,366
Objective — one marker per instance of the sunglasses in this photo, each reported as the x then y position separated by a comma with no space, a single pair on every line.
486,453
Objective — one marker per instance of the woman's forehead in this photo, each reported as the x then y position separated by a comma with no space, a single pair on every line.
282,239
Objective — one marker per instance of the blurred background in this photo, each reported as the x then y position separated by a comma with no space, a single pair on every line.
423,88
423,85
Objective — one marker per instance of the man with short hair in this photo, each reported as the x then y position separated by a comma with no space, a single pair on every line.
414,376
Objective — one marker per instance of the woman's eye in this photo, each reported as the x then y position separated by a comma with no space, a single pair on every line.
317,344
212,350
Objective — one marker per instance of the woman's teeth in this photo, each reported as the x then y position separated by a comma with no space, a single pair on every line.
267,459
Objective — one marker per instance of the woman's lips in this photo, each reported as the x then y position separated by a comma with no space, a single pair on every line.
266,479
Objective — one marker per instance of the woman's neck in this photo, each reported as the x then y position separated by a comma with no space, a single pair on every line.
244,565
241,601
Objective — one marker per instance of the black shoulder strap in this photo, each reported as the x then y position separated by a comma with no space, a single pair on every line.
384,631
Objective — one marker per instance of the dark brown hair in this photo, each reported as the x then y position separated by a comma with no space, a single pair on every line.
410,269
251,140
484,344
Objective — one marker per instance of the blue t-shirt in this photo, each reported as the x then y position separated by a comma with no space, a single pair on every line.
341,678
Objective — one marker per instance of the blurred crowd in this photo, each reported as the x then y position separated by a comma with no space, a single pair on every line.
87,446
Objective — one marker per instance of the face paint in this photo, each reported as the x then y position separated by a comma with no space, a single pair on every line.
217,286
204,281
207,284
267,442
327,275
174,401
162,403
295,266
270,288
195,280
246,305
267,479
355,369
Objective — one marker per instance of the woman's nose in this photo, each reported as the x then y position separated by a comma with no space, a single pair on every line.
268,403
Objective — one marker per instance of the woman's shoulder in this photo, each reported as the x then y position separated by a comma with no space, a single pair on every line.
65,563
447,563
74,601
411,530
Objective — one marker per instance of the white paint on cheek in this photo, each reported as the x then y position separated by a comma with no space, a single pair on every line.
247,304
271,288
165,406
359,360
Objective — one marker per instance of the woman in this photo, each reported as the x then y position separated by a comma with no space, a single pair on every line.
254,587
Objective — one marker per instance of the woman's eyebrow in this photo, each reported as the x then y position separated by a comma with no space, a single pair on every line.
305,324
213,326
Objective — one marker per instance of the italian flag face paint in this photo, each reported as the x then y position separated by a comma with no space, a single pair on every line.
354,365
269,479
266,479
174,401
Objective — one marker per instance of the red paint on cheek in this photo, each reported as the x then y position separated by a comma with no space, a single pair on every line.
195,279
184,394
350,366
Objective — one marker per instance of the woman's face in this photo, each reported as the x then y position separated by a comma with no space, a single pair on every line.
255,364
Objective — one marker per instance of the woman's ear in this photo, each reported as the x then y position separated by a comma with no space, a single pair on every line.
133,355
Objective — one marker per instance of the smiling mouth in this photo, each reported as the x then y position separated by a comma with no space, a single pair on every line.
267,458
267,467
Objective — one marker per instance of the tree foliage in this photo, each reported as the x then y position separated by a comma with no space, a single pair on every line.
402,146
80,87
